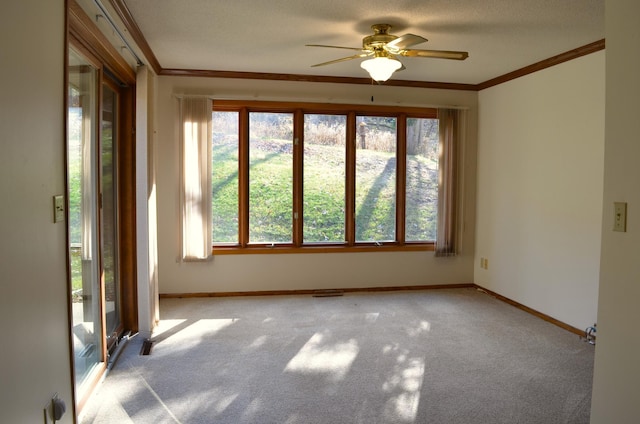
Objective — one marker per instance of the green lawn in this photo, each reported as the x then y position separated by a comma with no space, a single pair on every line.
324,210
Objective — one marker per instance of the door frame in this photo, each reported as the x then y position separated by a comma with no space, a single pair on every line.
85,38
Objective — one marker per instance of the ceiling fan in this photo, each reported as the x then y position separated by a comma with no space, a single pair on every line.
384,48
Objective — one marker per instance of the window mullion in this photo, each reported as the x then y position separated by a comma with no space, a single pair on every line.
243,177
298,150
350,196
401,170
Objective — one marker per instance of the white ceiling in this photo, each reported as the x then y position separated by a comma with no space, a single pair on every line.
270,36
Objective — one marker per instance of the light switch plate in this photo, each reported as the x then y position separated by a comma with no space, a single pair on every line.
58,208
620,216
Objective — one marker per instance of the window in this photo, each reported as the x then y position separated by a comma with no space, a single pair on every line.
225,177
270,177
294,176
324,178
421,179
376,166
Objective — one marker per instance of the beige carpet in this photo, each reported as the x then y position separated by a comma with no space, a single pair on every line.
438,356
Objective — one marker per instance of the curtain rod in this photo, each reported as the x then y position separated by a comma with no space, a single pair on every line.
109,19
256,98
201,96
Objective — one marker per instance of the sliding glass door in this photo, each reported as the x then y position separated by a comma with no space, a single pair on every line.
93,139
101,199
82,182
108,211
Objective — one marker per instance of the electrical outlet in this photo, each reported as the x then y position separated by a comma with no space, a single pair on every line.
484,263
620,217
58,208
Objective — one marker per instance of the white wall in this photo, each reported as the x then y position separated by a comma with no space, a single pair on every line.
298,271
146,210
616,396
539,198
34,326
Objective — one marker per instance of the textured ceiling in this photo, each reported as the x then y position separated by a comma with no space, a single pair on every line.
270,36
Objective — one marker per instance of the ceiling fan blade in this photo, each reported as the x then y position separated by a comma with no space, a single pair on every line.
403,42
355,56
439,54
334,47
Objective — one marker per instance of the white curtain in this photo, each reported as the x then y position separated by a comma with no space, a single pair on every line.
452,131
88,170
195,149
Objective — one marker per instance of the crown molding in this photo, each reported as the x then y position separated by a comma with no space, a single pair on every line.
312,78
544,64
129,22
132,27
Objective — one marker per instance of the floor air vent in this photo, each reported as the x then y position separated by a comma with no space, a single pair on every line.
146,347
328,293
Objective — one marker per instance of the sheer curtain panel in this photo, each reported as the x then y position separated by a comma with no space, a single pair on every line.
195,149
452,129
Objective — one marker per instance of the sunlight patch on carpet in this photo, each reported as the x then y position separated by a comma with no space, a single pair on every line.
215,400
404,385
258,342
422,327
252,411
193,335
165,325
209,327
321,356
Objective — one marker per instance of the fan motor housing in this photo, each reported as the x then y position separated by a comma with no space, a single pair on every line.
380,37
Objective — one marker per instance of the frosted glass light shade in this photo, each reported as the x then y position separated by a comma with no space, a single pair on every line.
381,68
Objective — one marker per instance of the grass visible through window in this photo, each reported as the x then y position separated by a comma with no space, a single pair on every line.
324,177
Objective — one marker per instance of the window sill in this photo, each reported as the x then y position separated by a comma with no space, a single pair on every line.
265,250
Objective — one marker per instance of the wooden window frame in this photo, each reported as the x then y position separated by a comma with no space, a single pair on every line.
298,110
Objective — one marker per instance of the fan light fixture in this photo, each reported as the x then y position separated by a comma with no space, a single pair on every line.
381,68
383,48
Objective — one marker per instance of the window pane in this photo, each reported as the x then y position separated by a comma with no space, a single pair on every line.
324,178
225,177
422,179
109,212
83,218
375,178
270,177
